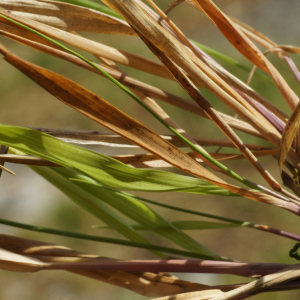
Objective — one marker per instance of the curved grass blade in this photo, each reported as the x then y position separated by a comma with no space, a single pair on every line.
89,202
186,225
136,210
264,228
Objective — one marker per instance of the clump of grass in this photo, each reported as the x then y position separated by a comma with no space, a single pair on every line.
101,184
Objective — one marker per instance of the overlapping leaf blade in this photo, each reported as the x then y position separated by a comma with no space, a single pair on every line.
102,168
59,177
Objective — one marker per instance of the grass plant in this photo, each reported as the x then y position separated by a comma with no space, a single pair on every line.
173,161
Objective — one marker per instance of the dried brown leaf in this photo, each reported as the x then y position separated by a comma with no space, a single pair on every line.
114,140
66,16
137,85
119,56
109,116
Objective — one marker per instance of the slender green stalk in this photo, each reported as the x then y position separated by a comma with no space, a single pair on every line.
102,239
264,228
162,121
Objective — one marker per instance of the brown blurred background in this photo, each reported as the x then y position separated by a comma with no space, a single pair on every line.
29,199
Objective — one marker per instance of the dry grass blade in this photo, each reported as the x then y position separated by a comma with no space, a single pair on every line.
144,283
119,56
99,110
264,41
107,115
166,43
266,282
257,36
134,160
19,263
237,38
289,133
26,160
192,90
114,140
203,295
226,76
63,15
270,46
152,104
17,35
3,151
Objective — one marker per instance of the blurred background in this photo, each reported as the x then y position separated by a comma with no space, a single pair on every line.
28,198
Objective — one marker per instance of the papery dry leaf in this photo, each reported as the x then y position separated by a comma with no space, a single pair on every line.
120,56
19,263
66,16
